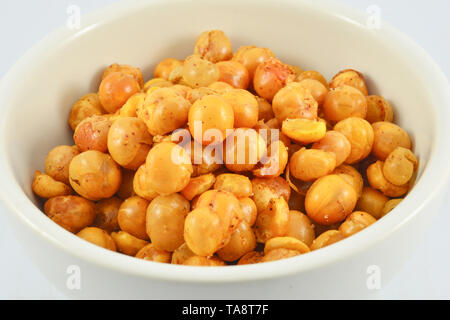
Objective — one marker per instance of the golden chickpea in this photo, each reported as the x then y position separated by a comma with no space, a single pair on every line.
198,185
164,110
197,93
220,87
70,212
241,242
273,221
92,134
168,168
198,72
298,71
209,116
399,166
98,237
132,216
151,253
350,78
378,109
234,73
330,200
243,149
58,161
156,83
165,221
279,254
266,189
237,184
204,231
141,185
372,201
251,257
387,137
390,205
327,238
300,227
214,46
337,143
304,131
245,107
356,222
344,102
311,164
289,243
116,89
294,101
106,212
165,67
135,72
351,176
46,187
85,107
314,75
265,111
95,175
277,161
198,261
271,76
316,88
209,162
378,181
249,210
128,244
181,254
251,56
360,134
299,186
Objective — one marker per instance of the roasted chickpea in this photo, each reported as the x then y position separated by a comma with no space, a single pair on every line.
198,185
389,206
387,137
165,221
314,75
115,89
271,76
237,184
334,142
58,161
378,109
130,108
181,254
279,254
210,160
251,257
344,102
157,83
273,221
106,212
300,227
234,73
198,72
316,88
360,134
92,134
350,78
198,261
304,131
197,93
243,149
276,163
135,72
168,168
355,222
95,175
242,241
249,210
351,176
245,107
209,119
98,237
128,244
399,166
265,111
372,201
151,253
46,187
311,164
70,212
327,238
141,185
289,243
298,71
85,107
220,87
132,216
251,56
165,67
266,189
294,101
330,200
164,110
214,46
378,181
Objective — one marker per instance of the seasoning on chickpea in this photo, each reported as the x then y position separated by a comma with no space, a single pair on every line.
294,101
92,134
378,181
87,106
356,222
234,73
165,67
151,253
327,238
249,210
198,72
237,184
141,185
273,221
387,137
351,176
378,109
399,166
214,46
115,89
134,72
198,185
390,205
276,162
266,189
251,257
314,75
46,187
245,107
242,241
58,160
351,78
311,164
251,56
106,212
344,102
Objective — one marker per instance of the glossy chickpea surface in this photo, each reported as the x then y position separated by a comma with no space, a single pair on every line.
387,137
214,46
251,56
58,160
300,227
344,102
98,237
294,101
92,134
87,106
234,73
106,212
311,164
245,107
165,67
198,72
335,142
115,89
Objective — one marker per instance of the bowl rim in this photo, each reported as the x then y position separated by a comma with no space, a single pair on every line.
433,179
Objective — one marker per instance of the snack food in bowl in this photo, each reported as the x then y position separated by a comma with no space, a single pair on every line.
99,169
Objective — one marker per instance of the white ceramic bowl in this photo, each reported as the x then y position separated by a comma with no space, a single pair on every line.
37,94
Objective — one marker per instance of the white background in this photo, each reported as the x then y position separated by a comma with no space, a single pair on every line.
426,275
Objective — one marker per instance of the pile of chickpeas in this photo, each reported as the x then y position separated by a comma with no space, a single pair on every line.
341,162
